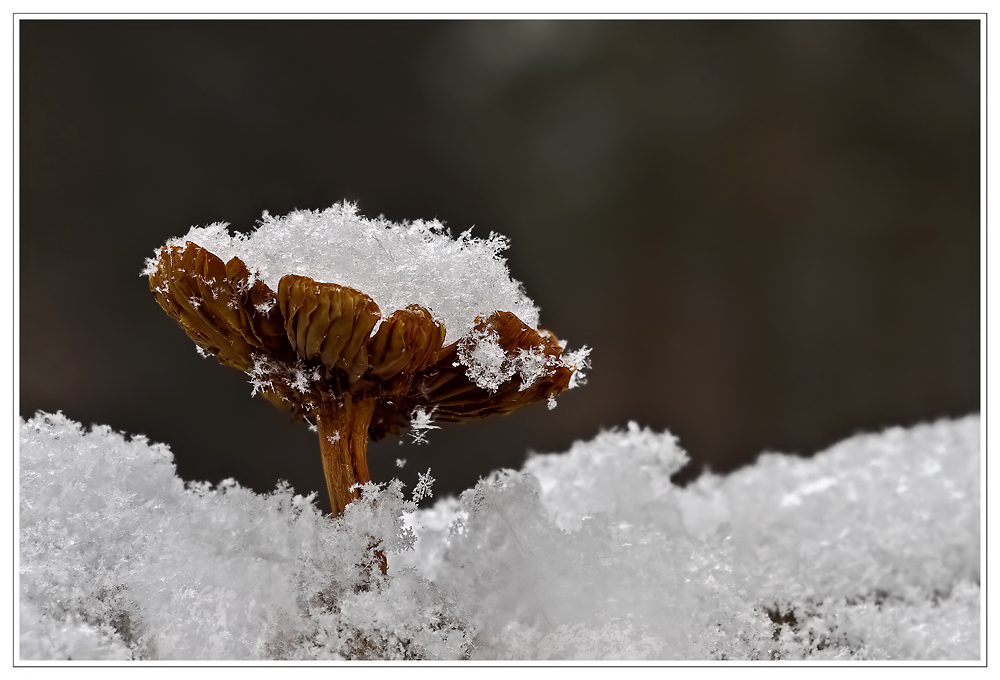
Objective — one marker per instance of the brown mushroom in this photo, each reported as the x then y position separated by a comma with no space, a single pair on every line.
325,351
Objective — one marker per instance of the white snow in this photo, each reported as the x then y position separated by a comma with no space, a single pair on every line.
396,264
590,554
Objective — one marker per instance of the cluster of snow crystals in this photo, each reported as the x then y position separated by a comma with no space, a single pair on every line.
489,366
265,370
397,265
486,361
421,423
532,365
579,360
869,550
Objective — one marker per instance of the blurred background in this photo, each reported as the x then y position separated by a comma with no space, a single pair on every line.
767,231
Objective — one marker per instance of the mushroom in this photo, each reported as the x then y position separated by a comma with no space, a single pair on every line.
326,351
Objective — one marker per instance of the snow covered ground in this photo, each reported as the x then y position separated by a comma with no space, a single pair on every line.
869,550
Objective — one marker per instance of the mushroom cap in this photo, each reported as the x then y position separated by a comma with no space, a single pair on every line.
312,337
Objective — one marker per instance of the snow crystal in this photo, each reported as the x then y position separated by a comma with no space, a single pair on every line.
396,264
420,424
425,483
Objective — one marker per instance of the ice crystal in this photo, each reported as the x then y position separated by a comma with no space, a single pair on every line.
420,424
425,483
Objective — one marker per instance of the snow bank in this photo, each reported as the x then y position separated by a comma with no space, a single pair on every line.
870,550
396,264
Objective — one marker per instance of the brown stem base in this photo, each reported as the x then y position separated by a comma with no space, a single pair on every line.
343,442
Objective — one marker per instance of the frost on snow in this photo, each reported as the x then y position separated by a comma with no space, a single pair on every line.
869,550
397,264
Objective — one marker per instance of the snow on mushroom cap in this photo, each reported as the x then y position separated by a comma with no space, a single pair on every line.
396,264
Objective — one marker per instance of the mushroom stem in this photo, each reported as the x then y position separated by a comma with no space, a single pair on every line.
343,441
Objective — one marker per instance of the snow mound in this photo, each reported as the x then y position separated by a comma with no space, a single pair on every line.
396,264
121,560
869,550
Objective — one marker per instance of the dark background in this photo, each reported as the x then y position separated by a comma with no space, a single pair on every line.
768,231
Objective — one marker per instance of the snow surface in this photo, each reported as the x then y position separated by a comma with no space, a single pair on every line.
869,550
396,264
